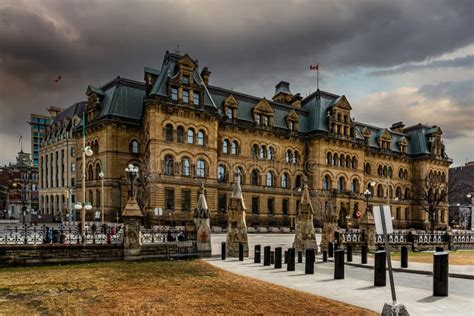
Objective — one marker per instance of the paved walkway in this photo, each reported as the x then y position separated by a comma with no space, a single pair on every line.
413,290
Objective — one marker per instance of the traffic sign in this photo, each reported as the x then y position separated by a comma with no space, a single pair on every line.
385,210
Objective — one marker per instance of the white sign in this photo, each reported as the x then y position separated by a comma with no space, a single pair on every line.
378,219
160,211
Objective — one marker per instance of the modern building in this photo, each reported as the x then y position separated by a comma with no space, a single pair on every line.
461,195
57,165
181,131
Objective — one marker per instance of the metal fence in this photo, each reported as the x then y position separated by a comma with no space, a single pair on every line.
164,234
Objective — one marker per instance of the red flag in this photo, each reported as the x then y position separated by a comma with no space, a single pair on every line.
314,67
57,79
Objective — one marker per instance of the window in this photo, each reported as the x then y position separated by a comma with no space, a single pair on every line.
262,152
169,165
335,160
225,146
326,183
408,194
73,167
329,159
298,183
259,119
91,197
90,173
73,151
288,156
355,186
284,180
221,173
186,96
399,213
185,79
255,151
169,199
180,134
255,202
380,191
368,169
398,193
271,206
240,176
229,113
174,94
270,153
185,167
234,149
284,206
342,162
134,147
200,138
292,126
97,200
190,136
196,98
341,184
169,132
254,177
222,202
354,163
407,210
270,179
380,171
185,200
266,120
200,168
73,182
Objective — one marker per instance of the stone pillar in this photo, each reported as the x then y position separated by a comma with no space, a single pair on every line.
132,243
305,234
367,226
237,227
203,226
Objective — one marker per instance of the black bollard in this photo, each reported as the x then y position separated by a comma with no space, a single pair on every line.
325,256
380,274
330,250
349,253
300,256
309,263
257,254
291,260
339,264
364,249
439,249
272,257
286,256
223,250
278,258
404,257
440,273
241,252
266,256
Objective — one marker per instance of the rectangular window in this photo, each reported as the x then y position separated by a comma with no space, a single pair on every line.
229,113
271,206
196,98
185,79
169,199
185,96
73,182
73,199
398,215
185,200
266,120
406,212
284,206
255,202
73,167
259,119
174,94
73,151
222,202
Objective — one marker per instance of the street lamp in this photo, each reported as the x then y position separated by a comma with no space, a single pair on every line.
368,194
86,151
101,176
132,173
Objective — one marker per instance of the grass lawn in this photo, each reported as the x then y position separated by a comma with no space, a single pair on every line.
152,287
462,257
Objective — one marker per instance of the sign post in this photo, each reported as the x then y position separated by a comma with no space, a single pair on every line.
384,226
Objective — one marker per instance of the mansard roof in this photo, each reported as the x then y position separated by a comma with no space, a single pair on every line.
74,110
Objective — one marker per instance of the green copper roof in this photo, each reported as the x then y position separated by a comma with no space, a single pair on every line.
123,98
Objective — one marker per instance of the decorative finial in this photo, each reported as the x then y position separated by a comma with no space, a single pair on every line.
177,48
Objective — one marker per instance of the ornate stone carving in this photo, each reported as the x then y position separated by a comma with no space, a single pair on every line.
132,234
305,234
237,227
203,227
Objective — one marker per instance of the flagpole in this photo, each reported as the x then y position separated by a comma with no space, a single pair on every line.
317,76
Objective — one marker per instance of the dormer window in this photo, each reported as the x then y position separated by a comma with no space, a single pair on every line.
174,94
196,98
185,96
259,119
229,113
292,126
185,79
266,120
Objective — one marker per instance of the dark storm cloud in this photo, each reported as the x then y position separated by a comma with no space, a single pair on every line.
460,92
248,45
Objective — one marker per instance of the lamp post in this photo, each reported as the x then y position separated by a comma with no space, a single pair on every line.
292,217
101,176
368,194
132,174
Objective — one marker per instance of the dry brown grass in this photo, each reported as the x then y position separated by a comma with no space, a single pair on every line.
455,257
153,288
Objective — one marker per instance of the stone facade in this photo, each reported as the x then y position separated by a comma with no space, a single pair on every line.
236,225
305,234
182,131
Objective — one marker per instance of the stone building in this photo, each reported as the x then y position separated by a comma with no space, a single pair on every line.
182,131
57,165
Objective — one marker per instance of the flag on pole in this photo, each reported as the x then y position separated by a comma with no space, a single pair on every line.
57,79
314,67
21,137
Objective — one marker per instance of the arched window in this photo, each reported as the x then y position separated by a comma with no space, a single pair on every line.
380,190
225,146
368,168
169,132
90,173
262,152
408,194
134,147
97,171
380,171
255,151
221,173
389,172
355,186
185,167
235,148
398,192
240,176
341,184
335,160
200,138
284,180
200,168
326,183
354,162
270,179
180,134
190,136
298,182
405,175
400,173
329,159
288,156
348,161
169,165
342,161
254,177
270,153
296,157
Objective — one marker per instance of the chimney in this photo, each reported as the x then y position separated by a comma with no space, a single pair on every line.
398,127
205,73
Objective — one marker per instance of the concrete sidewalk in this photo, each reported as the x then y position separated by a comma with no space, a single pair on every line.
413,290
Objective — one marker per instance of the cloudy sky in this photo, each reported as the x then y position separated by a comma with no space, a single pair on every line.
410,61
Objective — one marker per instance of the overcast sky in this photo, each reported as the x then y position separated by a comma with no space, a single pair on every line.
410,61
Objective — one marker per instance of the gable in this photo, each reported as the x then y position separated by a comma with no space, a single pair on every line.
263,107
231,101
342,103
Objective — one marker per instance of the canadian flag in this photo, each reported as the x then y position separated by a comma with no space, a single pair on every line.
57,79
314,67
